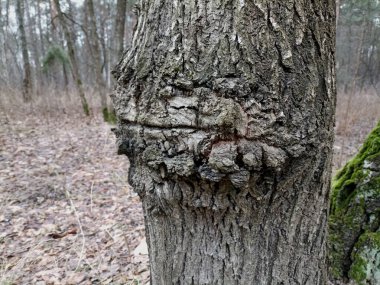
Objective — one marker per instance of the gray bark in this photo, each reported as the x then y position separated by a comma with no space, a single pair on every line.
35,52
6,13
27,81
96,57
226,112
40,30
121,9
337,11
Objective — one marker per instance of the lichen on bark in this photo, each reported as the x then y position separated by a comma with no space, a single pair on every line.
355,216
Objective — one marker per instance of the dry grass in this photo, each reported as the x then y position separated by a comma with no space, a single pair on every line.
53,103
356,115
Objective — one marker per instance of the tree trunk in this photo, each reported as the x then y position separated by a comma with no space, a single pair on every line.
337,11
40,30
35,51
41,40
105,51
226,112
65,78
121,8
27,81
7,13
74,65
96,57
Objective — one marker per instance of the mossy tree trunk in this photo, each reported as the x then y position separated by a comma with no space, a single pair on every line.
226,112
355,216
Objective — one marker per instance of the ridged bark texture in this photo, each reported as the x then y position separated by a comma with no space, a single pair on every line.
226,112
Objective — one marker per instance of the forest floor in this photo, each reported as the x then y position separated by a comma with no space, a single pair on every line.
68,215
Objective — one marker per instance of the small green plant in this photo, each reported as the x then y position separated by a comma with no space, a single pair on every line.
55,54
109,116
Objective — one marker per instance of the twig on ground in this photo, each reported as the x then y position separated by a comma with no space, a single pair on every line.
81,255
91,191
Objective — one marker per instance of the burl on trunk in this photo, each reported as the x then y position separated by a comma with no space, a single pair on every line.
226,112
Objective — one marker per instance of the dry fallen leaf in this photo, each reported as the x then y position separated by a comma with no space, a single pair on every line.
141,249
75,278
62,235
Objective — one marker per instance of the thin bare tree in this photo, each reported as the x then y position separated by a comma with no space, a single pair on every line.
97,59
121,8
72,56
27,81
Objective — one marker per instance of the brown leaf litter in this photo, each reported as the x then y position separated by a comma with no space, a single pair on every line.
67,214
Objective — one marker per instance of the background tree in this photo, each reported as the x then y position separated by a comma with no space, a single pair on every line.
73,59
120,27
226,112
56,56
25,56
92,28
96,57
359,34
357,44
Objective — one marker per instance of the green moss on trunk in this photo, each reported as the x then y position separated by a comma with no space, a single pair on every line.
366,259
355,216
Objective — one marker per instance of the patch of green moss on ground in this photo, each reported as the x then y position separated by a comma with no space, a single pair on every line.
354,210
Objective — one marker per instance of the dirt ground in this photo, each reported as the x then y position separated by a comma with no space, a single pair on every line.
67,214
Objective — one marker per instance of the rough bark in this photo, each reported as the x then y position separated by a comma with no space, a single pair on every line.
56,8
27,81
96,57
226,112
354,236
